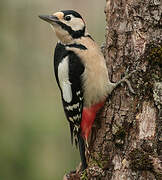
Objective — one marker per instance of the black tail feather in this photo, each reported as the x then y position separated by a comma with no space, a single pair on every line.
82,152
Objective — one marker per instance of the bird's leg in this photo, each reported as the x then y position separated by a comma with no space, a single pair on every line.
125,79
87,146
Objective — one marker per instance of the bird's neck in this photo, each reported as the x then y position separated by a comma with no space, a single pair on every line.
66,38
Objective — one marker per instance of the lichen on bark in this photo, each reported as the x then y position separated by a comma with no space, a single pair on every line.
126,140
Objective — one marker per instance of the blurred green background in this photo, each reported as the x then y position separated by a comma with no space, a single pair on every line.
34,134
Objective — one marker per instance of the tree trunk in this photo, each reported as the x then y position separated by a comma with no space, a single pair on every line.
126,140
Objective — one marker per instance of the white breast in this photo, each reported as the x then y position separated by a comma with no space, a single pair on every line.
95,77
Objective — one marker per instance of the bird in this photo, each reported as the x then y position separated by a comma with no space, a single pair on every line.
81,74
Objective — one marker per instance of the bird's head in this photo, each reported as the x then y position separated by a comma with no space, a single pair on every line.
68,25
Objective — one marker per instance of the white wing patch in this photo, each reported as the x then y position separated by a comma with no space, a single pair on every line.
63,76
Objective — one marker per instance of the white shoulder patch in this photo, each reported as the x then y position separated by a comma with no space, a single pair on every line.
63,76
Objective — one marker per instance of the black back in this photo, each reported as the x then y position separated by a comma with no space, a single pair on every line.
76,69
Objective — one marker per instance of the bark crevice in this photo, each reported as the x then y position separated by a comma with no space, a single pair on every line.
126,140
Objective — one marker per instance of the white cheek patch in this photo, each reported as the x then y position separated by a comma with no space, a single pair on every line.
75,23
63,76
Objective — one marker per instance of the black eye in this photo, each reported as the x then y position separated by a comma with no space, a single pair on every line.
67,18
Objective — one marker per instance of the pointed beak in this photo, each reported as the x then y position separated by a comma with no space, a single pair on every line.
49,18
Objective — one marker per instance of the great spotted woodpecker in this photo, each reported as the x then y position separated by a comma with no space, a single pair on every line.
81,74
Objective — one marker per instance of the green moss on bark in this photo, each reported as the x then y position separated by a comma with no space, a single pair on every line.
155,54
140,161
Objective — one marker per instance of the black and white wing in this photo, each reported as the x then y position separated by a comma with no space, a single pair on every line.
68,71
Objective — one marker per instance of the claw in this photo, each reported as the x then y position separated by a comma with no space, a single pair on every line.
129,86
